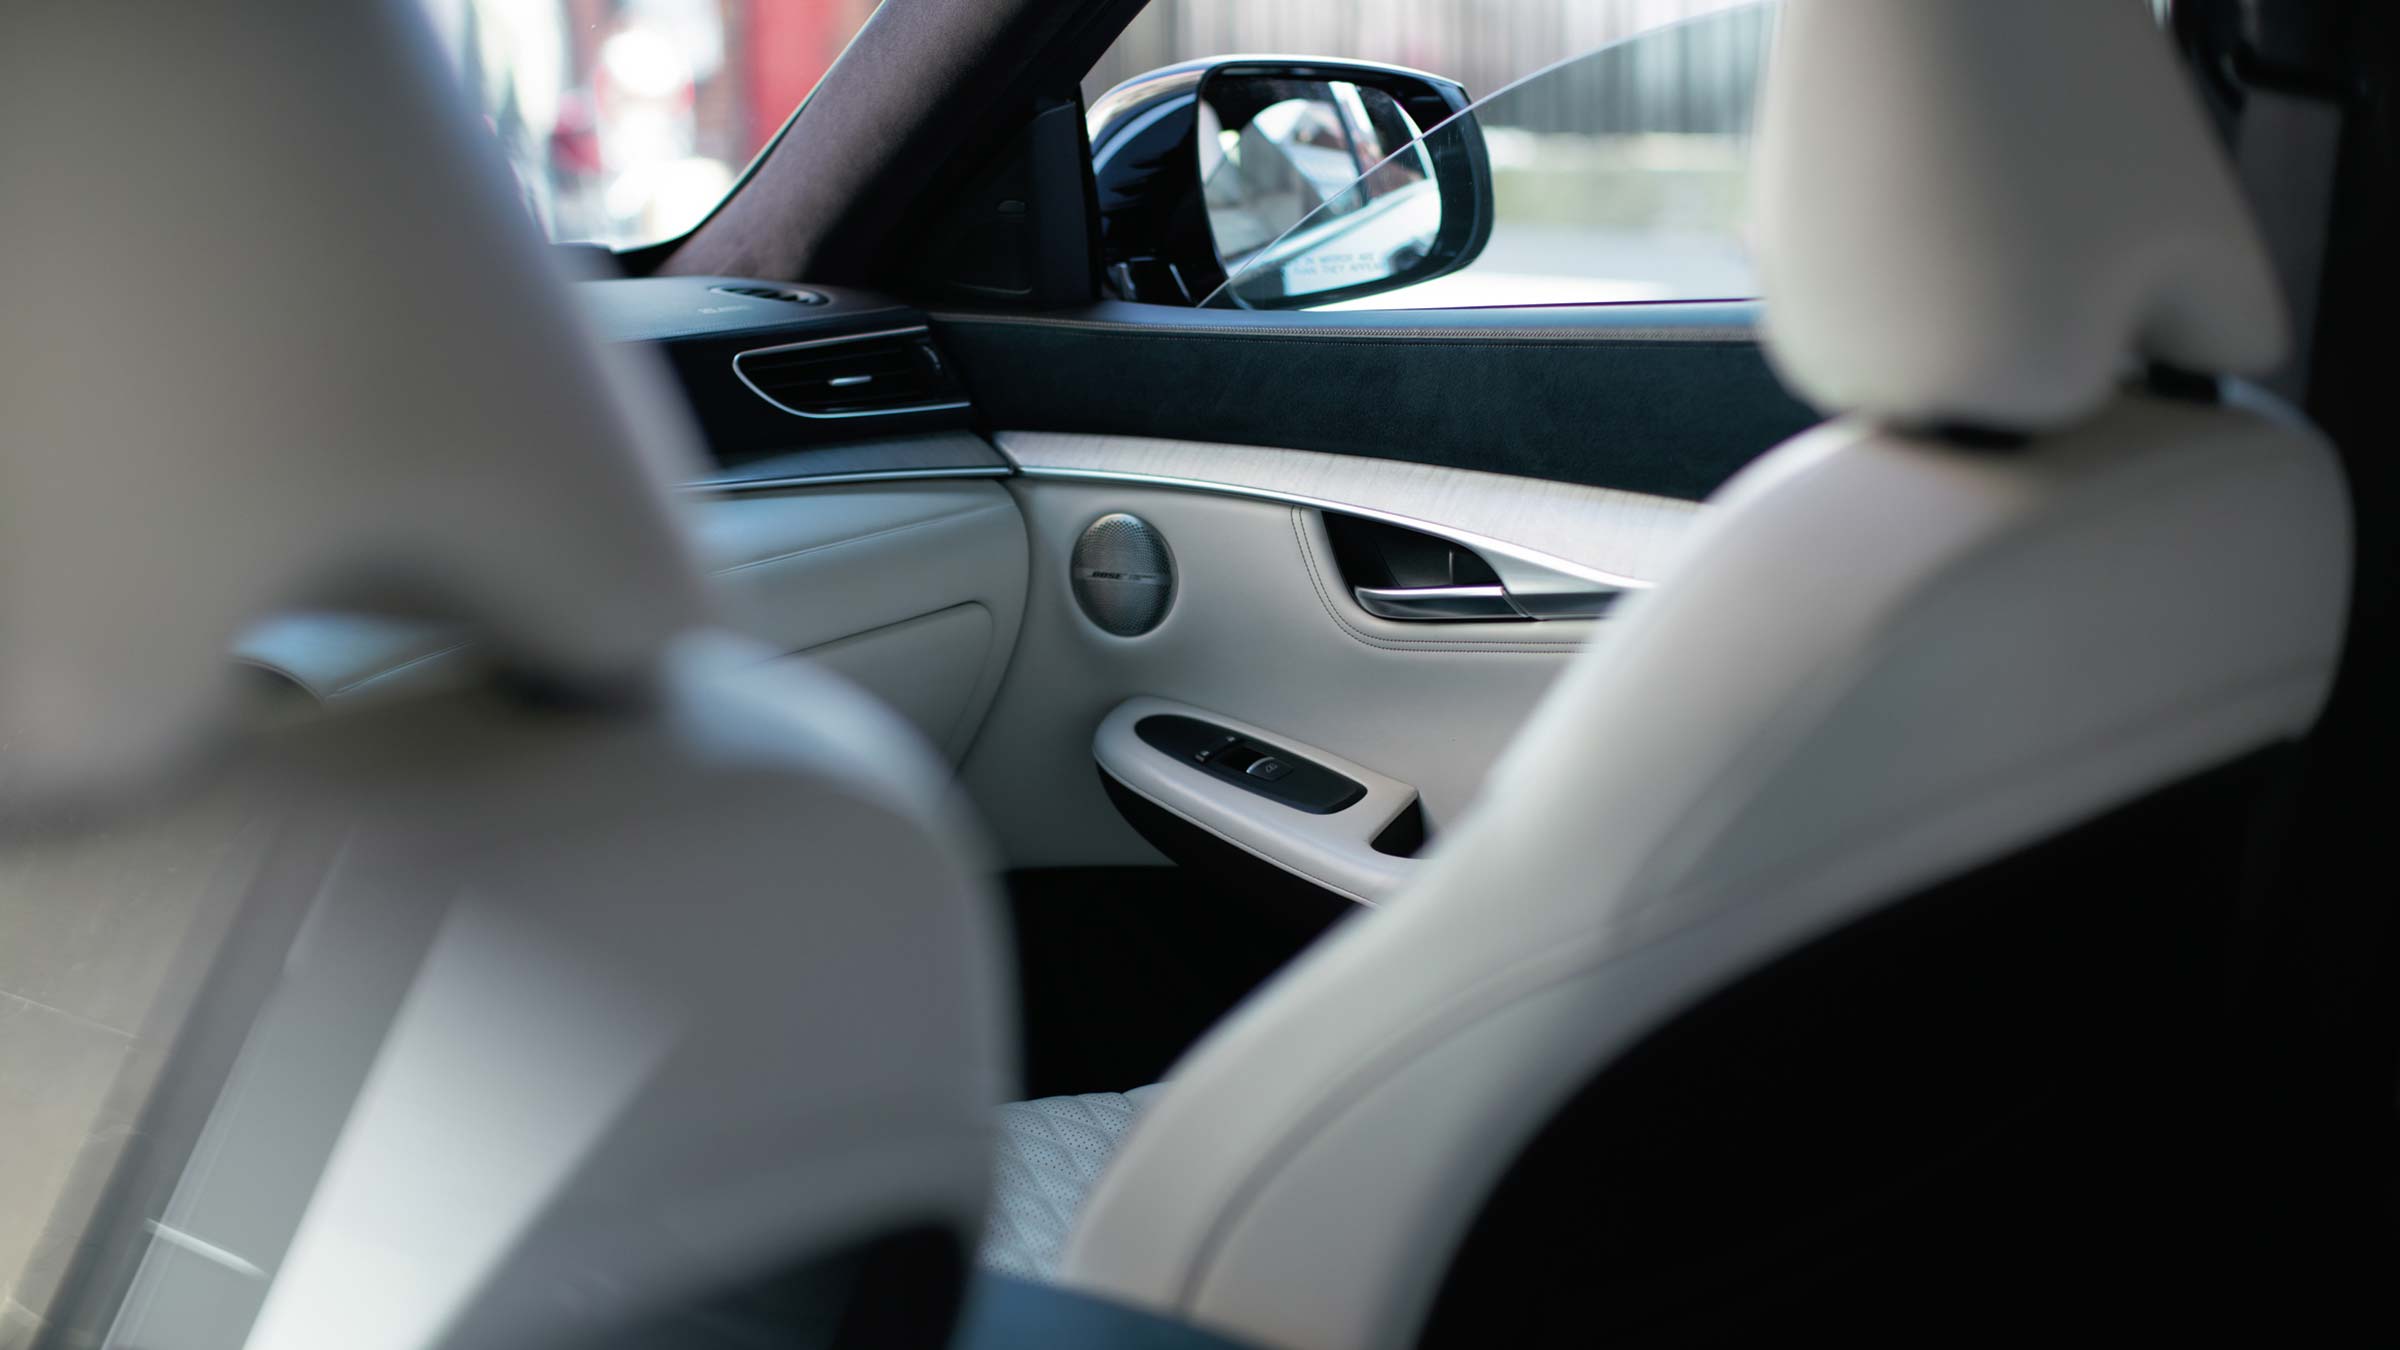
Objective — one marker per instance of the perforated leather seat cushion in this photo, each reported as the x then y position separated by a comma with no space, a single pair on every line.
1049,1153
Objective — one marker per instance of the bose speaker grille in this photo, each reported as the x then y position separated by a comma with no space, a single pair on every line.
1123,576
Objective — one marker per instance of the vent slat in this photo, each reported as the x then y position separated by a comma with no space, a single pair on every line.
902,373
790,295
874,362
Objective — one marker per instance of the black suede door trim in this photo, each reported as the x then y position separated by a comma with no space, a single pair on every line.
1673,413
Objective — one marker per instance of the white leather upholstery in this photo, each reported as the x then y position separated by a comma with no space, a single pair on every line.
1051,1150
915,590
1883,659
1313,668
252,305
639,1003
650,969
1884,662
1335,850
2056,144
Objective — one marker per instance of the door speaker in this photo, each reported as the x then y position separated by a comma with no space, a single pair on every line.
1123,575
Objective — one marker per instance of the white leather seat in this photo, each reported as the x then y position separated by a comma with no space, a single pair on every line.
1050,1152
631,970
1965,641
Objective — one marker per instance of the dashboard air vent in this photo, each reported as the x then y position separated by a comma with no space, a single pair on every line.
865,375
786,294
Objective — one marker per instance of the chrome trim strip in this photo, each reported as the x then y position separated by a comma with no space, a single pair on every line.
807,480
176,1237
1526,572
1567,604
831,342
1436,604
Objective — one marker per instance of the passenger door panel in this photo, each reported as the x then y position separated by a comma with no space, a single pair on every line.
1255,635
912,588
1584,437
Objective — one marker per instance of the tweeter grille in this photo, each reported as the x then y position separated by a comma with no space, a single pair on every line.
1123,575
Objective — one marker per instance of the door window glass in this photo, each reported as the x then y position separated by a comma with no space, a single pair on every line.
1617,132
1621,175
627,121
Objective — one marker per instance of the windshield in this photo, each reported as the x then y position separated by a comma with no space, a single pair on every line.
1618,175
627,121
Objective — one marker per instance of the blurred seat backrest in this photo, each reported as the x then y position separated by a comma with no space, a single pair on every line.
1914,805
631,972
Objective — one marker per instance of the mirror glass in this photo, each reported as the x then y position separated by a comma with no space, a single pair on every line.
1275,152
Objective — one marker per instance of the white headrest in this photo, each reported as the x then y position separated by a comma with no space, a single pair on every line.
278,332
1976,211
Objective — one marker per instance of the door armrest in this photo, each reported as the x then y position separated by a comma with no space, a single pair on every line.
1333,849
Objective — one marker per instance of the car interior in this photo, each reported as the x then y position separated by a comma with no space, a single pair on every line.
1105,720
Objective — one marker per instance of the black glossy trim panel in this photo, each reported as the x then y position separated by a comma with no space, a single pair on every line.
700,329
1251,765
669,309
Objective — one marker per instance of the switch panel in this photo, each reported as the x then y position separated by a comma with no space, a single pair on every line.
1253,765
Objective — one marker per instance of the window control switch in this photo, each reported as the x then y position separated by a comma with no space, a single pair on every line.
1252,765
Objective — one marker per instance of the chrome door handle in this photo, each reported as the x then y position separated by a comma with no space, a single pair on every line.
1588,602
1452,604
1436,602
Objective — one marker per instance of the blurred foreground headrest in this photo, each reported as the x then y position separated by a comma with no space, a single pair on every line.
1982,213
278,333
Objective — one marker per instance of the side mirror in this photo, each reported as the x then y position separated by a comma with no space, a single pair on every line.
1303,182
